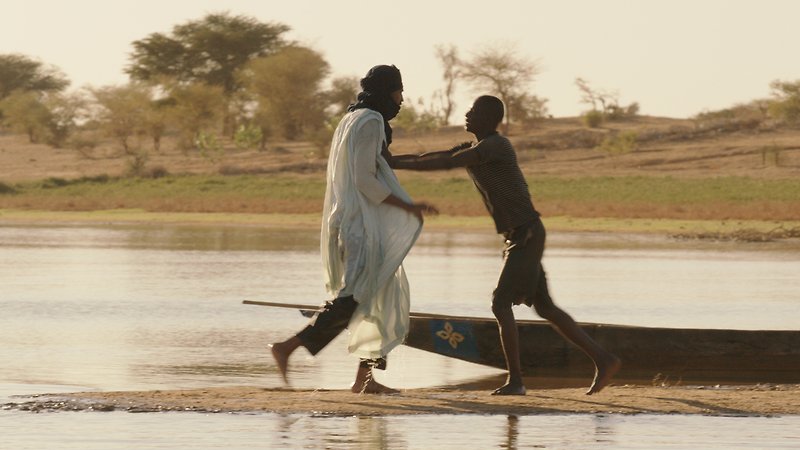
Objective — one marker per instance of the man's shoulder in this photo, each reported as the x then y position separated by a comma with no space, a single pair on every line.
496,143
357,119
364,114
496,139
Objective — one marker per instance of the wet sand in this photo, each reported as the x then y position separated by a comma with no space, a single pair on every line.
758,400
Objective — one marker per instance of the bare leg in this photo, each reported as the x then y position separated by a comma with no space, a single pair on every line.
509,337
606,364
281,352
321,330
365,383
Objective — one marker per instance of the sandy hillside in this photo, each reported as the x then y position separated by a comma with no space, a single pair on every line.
562,146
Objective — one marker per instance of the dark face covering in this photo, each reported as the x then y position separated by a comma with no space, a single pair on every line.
377,87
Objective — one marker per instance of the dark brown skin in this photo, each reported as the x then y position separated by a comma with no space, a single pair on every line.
482,121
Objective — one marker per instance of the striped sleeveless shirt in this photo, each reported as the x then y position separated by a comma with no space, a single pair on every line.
501,183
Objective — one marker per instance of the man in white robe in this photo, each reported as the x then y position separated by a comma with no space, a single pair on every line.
369,224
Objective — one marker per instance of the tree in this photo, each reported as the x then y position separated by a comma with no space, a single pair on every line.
287,87
122,111
609,100
155,121
526,108
787,100
196,111
501,71
451,65
609,104
20,73
66,110
48,118
588,95
209,50
416,118
341,94
25,112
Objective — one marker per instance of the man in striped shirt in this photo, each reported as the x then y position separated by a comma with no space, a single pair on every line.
492,165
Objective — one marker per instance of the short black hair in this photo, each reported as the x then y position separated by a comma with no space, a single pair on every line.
493,107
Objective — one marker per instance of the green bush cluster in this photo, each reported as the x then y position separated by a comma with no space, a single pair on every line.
619,143
593,118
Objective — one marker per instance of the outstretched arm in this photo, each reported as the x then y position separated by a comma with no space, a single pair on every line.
365,174
461,155
418,209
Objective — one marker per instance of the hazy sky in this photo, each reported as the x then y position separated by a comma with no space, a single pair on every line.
675,57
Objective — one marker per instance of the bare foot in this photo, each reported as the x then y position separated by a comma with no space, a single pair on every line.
510,389
370,386
603,374
281,355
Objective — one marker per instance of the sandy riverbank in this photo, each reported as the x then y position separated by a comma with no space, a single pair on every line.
758,400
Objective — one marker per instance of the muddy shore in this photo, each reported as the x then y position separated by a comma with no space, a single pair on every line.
757,400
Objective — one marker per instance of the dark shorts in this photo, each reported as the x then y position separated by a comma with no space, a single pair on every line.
523,279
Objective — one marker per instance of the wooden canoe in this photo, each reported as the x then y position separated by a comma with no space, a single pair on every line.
668,355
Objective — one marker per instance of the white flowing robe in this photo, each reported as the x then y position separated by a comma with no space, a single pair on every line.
363,242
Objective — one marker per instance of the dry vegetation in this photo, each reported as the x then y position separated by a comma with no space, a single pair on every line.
556,154
560,147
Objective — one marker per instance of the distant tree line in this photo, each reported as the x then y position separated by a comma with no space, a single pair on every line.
231,79
222,77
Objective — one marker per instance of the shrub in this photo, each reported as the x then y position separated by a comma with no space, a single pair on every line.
210,147
738,117
787,101
54,182
97,179
157,172
621,143
6,189
83,142
593,118
137,164
247,136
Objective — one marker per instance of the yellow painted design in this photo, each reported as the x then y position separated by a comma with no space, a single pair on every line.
452,337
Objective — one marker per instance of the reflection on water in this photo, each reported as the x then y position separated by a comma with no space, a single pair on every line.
111,308
118,430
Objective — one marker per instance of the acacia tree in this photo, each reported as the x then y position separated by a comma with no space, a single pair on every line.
66,110
287,88
451,71
502,71
21,73
196,110
608,100
208,51
48,118
122,111
25,112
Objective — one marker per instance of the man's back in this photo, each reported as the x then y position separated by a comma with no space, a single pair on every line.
501,183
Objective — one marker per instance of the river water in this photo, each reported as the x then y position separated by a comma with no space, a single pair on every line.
159,307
